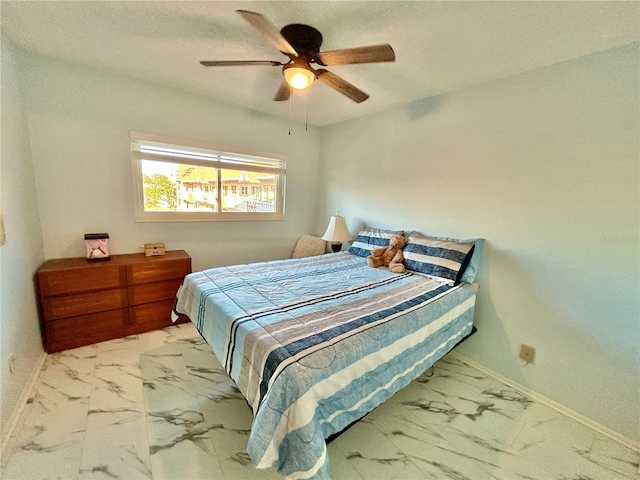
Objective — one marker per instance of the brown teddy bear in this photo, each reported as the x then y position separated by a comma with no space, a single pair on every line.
390,255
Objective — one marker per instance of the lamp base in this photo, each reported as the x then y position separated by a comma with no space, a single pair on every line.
336,246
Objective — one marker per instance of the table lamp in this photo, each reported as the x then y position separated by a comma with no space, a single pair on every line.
337,232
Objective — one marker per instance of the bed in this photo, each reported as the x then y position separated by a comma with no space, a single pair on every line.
316,343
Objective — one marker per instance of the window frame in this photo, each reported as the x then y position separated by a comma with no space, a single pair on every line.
222,158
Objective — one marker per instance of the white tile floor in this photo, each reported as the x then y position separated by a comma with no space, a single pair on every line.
159,405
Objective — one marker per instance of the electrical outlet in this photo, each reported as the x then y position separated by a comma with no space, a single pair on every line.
527,353
12,363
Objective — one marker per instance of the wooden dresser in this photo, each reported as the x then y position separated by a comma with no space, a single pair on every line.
83,302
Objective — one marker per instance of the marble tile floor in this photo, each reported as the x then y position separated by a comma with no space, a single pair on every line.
159,406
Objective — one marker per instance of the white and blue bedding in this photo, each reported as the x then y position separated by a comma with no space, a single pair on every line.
318,342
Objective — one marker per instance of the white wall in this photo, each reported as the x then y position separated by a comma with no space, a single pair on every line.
23,252
79,122
544,165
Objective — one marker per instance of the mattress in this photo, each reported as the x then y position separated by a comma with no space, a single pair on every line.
316,343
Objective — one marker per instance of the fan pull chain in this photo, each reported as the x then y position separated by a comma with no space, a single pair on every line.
306,122
290,110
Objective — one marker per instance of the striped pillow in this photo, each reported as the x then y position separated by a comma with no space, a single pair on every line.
444,259
370,238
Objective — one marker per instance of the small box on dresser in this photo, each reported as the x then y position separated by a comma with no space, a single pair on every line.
83,302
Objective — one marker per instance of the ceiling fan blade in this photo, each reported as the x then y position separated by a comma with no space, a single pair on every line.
283,92
238,63
267,29
347,56
341,85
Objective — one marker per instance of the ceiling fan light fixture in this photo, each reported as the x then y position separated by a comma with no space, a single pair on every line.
298,76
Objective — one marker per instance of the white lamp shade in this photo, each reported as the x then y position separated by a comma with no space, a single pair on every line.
337,230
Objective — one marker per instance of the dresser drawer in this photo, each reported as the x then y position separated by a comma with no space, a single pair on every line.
82,330
84,303
154,292
157,269
81,279
151,316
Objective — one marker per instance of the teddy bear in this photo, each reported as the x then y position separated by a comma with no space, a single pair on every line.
390,255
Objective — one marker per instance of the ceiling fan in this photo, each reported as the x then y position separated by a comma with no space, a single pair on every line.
301,43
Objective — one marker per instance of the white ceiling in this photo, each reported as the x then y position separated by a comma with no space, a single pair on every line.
440,46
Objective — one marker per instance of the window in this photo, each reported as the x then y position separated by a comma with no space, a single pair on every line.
179,180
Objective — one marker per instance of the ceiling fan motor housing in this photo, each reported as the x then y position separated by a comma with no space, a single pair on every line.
305,39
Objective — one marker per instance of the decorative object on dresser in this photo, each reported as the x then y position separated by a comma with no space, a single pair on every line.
97,246
88,302
154,249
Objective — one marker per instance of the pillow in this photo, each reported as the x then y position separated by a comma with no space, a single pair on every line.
308,246
370,238
471,271
442,258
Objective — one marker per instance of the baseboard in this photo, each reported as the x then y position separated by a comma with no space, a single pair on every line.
613,435
20,405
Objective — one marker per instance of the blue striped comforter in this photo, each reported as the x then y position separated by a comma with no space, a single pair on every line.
316,343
